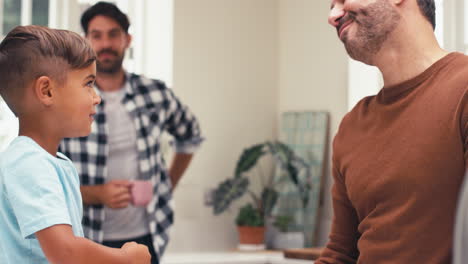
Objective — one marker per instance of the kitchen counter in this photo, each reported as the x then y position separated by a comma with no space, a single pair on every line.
261,257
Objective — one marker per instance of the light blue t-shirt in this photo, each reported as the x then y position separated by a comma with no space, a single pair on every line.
37,190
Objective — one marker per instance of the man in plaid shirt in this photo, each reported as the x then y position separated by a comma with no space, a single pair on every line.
124,144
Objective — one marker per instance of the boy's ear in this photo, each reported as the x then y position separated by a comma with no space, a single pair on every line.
43,89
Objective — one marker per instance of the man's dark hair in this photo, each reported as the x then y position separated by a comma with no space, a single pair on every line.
104,9
427,8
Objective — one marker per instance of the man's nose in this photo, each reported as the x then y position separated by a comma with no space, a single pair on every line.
105,42
335,15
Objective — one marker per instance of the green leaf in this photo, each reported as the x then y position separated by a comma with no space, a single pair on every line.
281,152
248,159
293,173
282,222
288,160
249,216
269,198
227,192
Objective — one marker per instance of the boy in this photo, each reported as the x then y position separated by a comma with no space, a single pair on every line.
47,81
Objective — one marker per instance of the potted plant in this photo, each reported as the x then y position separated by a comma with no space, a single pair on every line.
251,217
251,228
287,236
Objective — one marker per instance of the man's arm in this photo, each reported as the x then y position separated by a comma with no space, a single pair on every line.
185,129
180,163
114,194
342,245
60,245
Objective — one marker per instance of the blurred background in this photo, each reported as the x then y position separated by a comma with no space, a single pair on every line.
239,65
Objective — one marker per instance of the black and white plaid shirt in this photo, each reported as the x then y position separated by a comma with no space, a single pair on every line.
154,108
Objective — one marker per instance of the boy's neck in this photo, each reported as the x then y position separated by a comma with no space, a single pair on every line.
109,82
41,135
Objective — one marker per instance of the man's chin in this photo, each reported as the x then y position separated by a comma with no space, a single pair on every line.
108,71
108,68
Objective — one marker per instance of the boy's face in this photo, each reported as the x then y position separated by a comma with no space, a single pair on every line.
76,101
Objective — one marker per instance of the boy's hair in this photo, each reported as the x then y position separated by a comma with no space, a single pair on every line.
104,9
29,52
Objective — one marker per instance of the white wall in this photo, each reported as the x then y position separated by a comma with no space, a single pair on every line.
363,80
225,68
157,53
64,14
239,64
313,71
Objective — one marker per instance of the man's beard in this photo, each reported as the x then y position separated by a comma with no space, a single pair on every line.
110,66
374,25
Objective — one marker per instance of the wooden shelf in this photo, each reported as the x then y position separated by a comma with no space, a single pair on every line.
303,253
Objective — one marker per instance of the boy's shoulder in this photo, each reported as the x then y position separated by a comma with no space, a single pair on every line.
20,145
21,152
25,164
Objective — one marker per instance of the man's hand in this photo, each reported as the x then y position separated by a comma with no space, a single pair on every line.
116,194
137,253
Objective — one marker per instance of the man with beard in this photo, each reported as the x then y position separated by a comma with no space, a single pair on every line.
399,157
124,144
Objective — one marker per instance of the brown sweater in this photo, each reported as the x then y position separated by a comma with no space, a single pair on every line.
398,162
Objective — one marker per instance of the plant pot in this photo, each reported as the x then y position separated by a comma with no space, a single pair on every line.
270,232
285,240
251,237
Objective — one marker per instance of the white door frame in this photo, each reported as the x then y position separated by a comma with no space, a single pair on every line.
454,25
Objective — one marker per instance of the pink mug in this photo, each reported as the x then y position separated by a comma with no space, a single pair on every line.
142,192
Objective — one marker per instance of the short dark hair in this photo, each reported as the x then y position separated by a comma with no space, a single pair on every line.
104,9
29,52
427,8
